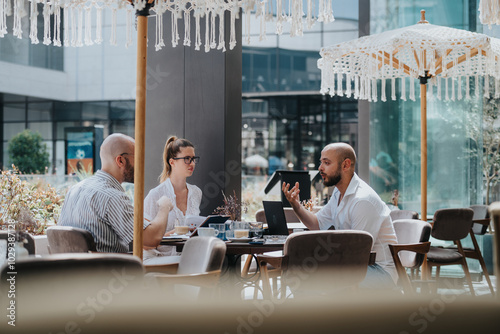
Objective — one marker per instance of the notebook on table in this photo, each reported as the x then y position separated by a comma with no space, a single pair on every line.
275,217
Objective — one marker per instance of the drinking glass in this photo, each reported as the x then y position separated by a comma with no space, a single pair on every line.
241,230
229,229
220,230
256,229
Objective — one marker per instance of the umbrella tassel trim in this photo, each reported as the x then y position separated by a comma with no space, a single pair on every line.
348,91
66,26
403,89
412,90
19,13
467,88
112,39
446,96
187,29
3,17
375,90
486,86
222,42
393,89
438,81
477,85
33,23
339,84
57,25
88,26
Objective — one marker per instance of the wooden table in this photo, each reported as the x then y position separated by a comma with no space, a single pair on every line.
237,249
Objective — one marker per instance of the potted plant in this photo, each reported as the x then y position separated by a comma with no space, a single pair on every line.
26,208
232,207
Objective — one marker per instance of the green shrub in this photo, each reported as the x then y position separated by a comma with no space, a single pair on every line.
28,152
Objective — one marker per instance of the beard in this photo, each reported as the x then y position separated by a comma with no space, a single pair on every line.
332,180
128,175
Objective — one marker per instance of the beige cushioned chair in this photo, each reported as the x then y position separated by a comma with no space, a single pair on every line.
413,243
67,239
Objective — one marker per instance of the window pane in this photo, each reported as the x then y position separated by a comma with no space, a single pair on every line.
39,111
125,127
65,111
123,110
60,126
14,112
12,129
43,128
95,110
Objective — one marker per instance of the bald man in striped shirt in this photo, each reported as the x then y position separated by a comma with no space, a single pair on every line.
99,203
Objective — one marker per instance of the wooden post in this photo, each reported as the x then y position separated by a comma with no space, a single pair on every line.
423,166
140,127
423,150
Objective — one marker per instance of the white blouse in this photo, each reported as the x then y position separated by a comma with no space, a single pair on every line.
166,189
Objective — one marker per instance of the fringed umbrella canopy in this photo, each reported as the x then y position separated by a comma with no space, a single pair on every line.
409,53
443,59
79,17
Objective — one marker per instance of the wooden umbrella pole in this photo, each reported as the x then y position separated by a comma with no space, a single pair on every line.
423,163
423,150
140,129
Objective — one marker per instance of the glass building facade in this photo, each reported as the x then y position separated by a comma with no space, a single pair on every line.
50,119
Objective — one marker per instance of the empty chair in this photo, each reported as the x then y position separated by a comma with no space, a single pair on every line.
481,221
403,214
340,259
29,245
450,225
200,264
67,239
413,243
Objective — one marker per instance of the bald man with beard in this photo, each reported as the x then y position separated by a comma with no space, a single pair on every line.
354,205
99,204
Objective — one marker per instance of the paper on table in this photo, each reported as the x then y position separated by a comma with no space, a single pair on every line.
195,221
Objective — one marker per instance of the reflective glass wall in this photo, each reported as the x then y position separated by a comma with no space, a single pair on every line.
286,121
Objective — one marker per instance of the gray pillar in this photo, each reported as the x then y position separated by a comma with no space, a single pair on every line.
363,149
197,96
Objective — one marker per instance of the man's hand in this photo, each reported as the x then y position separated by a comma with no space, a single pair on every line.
165,203
292,195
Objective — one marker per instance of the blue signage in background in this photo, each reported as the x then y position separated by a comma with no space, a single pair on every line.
79,151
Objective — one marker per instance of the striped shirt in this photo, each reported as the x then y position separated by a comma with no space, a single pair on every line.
99,204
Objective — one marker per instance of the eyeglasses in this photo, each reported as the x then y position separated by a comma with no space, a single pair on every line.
188,160
121,155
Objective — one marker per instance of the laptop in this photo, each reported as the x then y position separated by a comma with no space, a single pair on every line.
275,217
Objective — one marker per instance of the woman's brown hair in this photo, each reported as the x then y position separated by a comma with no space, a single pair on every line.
172,148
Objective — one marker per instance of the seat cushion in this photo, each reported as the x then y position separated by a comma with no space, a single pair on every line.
443,255
454,247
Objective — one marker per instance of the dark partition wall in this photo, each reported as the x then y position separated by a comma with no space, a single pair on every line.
196,95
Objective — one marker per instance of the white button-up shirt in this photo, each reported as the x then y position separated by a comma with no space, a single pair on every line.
362,209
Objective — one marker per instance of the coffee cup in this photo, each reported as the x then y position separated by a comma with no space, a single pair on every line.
206,232
241,234
181,230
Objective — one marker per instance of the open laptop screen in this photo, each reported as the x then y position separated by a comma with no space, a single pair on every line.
275,217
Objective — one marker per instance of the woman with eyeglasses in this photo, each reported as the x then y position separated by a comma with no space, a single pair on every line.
179,161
